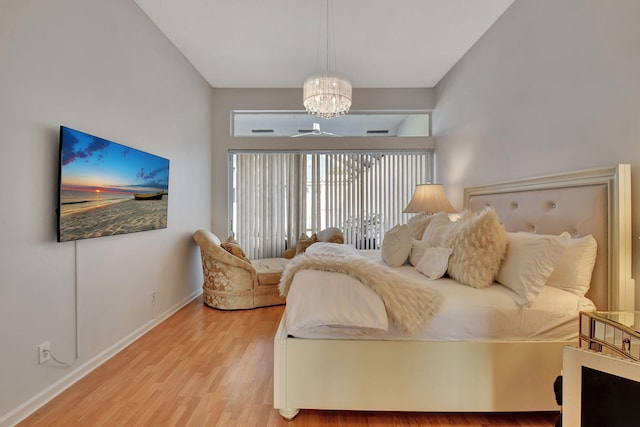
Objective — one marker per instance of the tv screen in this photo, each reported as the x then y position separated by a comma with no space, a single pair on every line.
106,188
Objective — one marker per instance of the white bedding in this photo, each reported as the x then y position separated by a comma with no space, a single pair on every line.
333,305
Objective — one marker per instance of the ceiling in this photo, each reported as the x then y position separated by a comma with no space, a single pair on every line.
279,43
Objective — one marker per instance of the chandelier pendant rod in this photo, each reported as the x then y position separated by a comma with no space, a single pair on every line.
327,32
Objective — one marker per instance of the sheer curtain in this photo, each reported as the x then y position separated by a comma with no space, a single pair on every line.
278,195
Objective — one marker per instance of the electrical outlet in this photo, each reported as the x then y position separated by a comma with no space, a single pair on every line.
153,297
44,352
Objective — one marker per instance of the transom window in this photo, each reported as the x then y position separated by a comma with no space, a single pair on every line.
355,124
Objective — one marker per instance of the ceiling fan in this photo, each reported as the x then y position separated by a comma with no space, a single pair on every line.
316,132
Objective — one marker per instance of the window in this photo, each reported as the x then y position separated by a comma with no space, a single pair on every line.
277,196
355,124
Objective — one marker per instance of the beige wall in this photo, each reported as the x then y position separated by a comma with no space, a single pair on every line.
101,67
553,86
227,100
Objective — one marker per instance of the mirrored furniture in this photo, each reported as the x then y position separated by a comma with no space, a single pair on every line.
611,332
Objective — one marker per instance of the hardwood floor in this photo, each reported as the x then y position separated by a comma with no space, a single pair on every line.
204,367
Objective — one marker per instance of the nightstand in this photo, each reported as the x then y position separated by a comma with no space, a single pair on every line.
611,332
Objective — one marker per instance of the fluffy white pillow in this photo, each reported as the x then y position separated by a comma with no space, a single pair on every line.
479,242
396,245
434,262
528,263
574,269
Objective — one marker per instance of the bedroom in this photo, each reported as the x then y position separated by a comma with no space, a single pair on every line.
551,88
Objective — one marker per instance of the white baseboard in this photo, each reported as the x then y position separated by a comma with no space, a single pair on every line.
33,404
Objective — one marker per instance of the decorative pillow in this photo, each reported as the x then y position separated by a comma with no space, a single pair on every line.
479,242
438,233
289,253
434,262
396,245
331,235
337,249
232,246
417,224
418,249
304,242
528,263
574,269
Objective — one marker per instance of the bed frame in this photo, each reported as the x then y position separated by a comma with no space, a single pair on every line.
471,376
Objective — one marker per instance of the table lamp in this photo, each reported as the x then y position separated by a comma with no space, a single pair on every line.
429,198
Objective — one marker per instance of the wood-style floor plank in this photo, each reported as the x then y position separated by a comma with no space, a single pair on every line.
205,367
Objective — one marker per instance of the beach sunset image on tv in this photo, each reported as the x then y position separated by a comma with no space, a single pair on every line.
108,188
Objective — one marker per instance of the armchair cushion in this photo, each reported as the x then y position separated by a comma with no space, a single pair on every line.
289,253
304,242
269,270
232,246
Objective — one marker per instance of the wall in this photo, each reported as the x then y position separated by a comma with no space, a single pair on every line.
101,67
228,100
553,86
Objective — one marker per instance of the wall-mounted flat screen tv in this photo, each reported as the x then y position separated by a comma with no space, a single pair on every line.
106,188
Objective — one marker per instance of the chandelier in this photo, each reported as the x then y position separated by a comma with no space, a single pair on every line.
327,95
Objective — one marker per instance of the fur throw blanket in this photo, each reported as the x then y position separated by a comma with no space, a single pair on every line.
408,303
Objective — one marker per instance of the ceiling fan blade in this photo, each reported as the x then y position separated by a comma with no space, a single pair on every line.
332,134
316,132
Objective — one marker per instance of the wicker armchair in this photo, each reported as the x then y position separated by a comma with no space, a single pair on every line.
231,283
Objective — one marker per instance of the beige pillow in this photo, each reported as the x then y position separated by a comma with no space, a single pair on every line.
289,253
438,232
417,224
418,248
479,242
528,263
434,262
575,266
304,242
232,246
396,246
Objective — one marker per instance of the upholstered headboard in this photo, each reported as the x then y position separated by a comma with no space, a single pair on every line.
596,202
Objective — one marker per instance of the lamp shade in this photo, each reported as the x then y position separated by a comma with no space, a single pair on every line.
429,198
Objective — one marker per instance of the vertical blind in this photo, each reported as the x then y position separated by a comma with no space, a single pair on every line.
278,196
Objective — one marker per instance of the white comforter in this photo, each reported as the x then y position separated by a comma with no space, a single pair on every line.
326,304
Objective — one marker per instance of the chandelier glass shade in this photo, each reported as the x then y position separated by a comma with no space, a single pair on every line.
327,96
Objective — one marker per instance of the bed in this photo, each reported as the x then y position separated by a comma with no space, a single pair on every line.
468,375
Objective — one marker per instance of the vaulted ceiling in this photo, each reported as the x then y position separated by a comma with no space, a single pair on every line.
279,43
